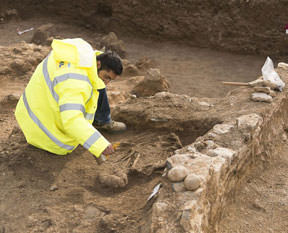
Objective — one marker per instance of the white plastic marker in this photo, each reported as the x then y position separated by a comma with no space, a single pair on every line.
27,30
155,191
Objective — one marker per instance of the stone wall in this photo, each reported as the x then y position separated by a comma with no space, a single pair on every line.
220,159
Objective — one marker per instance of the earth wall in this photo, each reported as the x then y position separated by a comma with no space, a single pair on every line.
250,26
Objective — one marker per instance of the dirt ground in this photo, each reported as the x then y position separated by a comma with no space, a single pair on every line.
261,201
42,192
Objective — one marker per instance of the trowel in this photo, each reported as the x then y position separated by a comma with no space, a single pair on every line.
103,158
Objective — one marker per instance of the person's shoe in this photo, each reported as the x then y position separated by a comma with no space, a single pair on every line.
112,126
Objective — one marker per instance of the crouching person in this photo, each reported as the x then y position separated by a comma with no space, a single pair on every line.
66,95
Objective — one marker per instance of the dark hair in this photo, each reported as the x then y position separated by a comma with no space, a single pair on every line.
110,61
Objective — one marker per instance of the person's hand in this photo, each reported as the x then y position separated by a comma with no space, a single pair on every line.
109,150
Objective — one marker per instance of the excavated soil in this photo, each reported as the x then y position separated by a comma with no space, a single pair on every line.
236,25
42,192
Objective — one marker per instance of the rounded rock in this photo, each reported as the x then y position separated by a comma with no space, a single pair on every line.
178,187
177,174
192,182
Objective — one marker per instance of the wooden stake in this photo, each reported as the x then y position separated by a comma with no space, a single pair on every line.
236,83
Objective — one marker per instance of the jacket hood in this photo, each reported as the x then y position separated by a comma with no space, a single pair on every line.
81,54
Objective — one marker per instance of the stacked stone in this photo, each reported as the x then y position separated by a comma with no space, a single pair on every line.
204,172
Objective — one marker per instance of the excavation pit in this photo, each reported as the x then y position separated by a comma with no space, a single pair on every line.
216,139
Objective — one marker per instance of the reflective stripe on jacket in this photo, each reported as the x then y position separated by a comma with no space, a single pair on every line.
57,108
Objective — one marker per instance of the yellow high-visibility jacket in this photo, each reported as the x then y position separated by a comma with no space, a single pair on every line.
57,108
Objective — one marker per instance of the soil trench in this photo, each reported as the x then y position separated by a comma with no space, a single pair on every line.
42,192
73,193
